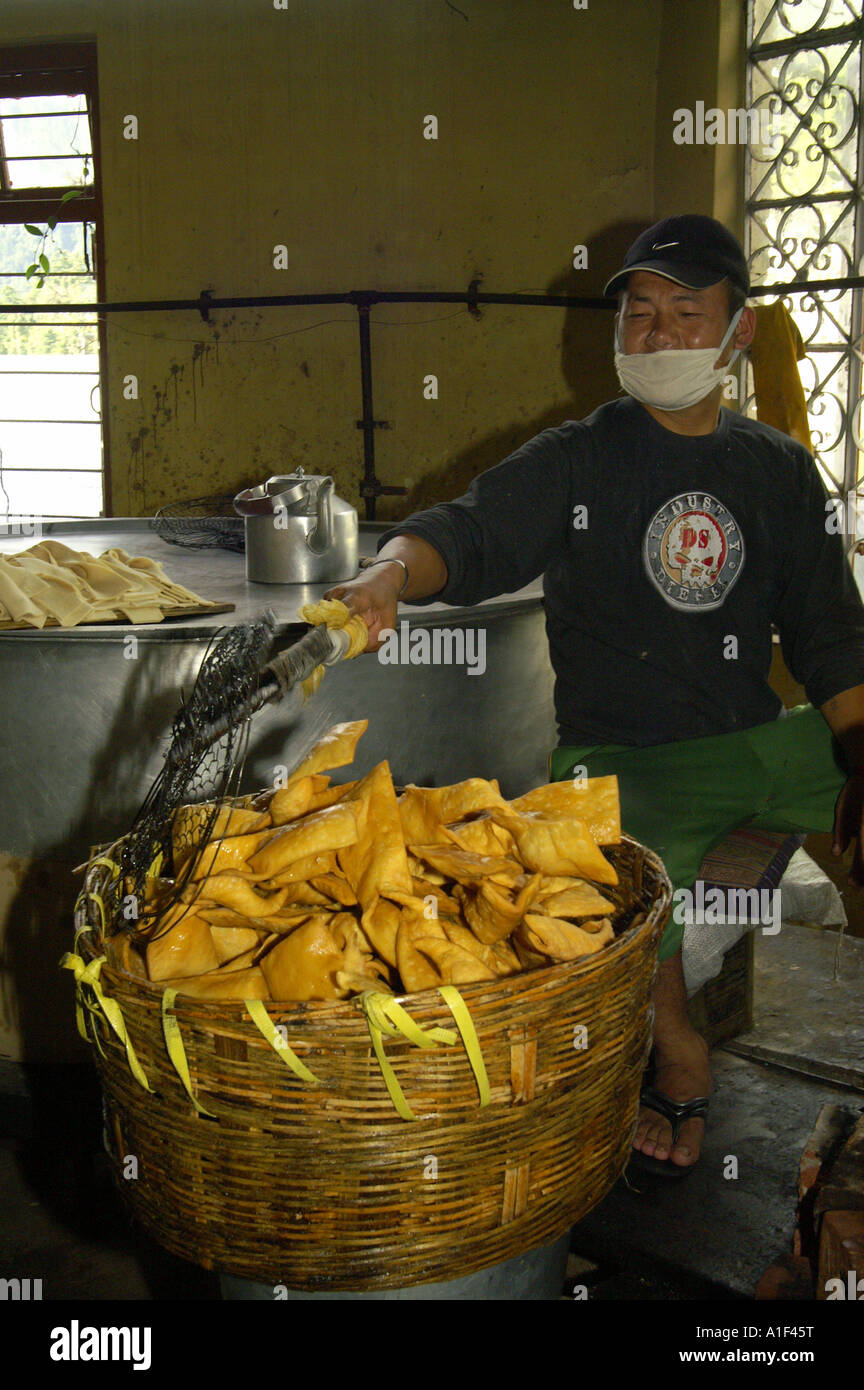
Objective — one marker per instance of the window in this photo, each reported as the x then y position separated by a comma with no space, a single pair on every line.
51,442
804,205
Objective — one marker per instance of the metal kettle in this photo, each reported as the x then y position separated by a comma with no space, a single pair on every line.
298,531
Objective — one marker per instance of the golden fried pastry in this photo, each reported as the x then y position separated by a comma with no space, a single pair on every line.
376,862
231,889
561,940
331,829
455,966
223,984
231,942
581,900
426,810
482,835
463,866
491,914
335,749
381,925
557,845
594,801
304,965
184,949
296,798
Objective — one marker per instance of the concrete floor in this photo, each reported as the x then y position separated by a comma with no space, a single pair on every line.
709,1236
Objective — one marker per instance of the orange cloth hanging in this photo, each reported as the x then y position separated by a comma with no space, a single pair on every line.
775,352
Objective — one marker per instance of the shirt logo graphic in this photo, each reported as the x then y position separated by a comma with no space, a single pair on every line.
693,551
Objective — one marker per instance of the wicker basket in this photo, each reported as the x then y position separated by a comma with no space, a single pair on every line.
324,1186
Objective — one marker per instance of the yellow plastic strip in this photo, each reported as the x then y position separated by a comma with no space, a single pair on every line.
464,1022
397,1095
109,863
79,1005
264,1023
88,893
176,1050
385,1016
406,1025
88,975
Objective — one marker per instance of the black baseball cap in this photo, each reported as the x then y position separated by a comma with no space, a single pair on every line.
692,250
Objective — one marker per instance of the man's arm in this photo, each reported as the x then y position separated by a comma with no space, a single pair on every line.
375,592
844,714
497,537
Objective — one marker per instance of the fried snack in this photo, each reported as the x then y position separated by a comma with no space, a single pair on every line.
335,749
528,959
424,888
185,949
562,940
426,810
331,795
481,835
124,956
416,970
231,942
580,900
223,984
594,801
304,895
351,982
381,925
230,853
190,823
244,961
304,965
356,951
315,892
557,845
455,965
376,863
231,889
500,958
227,917
422,871
463,866
331,829
491,914
296,798
305,869
335,887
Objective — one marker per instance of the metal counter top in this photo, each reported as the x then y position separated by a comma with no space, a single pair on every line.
219,576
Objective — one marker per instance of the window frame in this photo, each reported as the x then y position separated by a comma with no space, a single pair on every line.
64,69
761,50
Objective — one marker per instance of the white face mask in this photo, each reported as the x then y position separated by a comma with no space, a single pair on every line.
673,378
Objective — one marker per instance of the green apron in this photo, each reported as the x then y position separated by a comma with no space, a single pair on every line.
680,799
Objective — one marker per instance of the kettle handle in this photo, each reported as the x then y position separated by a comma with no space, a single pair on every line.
321,538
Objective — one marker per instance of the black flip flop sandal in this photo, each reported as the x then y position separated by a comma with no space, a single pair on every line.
676,1112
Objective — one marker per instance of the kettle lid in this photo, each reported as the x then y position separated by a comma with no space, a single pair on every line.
279,492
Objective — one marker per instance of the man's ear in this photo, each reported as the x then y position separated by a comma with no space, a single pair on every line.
746,329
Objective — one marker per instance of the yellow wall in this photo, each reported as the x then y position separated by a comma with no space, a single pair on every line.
303,126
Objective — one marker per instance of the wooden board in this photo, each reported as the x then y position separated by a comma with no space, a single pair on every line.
187,611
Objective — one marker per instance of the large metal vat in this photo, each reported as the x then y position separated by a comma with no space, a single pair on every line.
85,715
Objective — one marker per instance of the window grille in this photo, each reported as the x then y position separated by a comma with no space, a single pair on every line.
51,447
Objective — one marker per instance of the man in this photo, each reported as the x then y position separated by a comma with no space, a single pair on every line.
672,534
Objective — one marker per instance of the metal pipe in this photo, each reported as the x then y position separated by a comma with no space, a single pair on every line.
368,488
366,298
